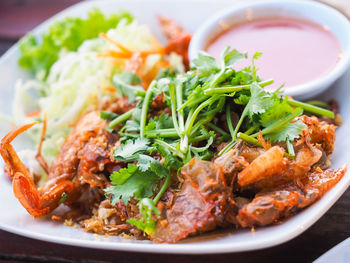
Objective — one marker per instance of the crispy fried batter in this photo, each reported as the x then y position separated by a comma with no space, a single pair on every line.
266,165
320,132
203,203
179,39
269,207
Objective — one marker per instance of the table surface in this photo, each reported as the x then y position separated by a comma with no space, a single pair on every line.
331,229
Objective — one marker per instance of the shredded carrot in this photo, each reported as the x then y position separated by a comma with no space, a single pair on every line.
33,113
266,145
114,54
151,52
120,46
111,89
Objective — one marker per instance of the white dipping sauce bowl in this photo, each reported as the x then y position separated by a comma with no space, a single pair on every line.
312,11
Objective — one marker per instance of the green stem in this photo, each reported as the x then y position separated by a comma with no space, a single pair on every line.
217,129
236,88
145,107
199,138
163,188
204,148
170,147
107,115
173,107
125,116
228,119
276,126
180,112
191,103
290,148
318,103
251,129
189,122
312,109
228,147
132,135
163,133
209,115
244,113
248,139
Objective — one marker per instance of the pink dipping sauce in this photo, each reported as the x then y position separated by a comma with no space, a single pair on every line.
294,51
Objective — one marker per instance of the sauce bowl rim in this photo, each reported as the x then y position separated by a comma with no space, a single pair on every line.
201,38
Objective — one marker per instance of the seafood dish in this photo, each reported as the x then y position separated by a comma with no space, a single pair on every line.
135,140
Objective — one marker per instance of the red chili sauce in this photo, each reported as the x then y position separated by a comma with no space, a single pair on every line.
293,51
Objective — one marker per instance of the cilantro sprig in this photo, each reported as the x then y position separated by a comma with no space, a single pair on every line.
209,104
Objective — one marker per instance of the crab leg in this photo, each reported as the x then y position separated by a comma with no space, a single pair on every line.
23,185
38,155
37,205
9,154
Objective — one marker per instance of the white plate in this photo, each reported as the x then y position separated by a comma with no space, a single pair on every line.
338,254
190,13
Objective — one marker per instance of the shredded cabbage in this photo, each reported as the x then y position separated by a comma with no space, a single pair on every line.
79,81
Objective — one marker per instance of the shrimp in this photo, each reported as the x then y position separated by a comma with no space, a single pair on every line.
266,165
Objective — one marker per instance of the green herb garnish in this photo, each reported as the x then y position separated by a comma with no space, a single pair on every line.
200,101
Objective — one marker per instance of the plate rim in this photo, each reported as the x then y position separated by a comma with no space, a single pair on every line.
179,248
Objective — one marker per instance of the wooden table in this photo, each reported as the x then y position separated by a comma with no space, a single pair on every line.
331,229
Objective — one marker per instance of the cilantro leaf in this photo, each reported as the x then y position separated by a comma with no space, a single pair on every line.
148,211
134,183
259,101
233,56
278,110
125,83
129,151
205,64
146,163
289,132
242,99
120,177
163,121
257,55
170,161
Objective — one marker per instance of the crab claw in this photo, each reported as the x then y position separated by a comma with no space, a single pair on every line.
37,205
9,154
24,188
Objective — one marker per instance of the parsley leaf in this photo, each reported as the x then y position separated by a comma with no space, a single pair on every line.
129,151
